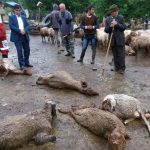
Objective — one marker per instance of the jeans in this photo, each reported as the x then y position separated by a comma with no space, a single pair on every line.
85,43
23,51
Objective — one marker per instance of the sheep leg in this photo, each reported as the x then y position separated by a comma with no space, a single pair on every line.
128,120
52,39
53,109
147,115
44,39
146,122
5,74
42,138
48,38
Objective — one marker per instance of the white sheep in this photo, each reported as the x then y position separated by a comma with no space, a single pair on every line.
102,37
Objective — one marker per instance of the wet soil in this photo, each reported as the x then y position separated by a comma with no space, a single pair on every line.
20,94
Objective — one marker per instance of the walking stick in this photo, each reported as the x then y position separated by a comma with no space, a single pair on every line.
106,56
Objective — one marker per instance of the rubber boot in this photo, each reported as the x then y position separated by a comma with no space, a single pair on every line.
82,56
93,56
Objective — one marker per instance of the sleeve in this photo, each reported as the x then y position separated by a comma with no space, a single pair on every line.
96,26
121,24
108,29
11,25
69,19
26,26
82,24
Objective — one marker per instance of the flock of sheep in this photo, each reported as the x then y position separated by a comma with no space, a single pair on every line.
104,121
135,40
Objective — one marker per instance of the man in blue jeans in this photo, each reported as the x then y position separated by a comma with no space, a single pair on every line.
89,23
19,35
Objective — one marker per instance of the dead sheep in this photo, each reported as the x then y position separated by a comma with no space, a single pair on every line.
15,131
100,123
125,107
6,68
63,80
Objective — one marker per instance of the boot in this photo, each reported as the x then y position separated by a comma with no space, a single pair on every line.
93,56
82,56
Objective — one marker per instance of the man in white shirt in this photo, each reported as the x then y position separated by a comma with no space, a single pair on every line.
19,35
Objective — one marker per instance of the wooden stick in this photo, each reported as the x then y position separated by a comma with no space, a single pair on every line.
106,56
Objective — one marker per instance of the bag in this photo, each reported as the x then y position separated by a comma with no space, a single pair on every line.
2,31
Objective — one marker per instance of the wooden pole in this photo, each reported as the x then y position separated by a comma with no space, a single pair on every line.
106,56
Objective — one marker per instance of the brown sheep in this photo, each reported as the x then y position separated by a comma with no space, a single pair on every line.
51,35
63,80
100,123
15,131
43,32
6,68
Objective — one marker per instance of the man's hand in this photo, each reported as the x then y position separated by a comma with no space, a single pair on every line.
90,27
113,23
22,32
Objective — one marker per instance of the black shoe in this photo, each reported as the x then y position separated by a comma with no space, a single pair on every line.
28,65
121,71
92,62
80,60
73,56
114,69
22,68
68,54
59,52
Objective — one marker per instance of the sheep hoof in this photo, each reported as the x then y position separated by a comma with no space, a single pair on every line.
43,138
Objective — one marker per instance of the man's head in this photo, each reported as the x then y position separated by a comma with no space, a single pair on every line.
17,9
62,7
55,7
91,9
113,10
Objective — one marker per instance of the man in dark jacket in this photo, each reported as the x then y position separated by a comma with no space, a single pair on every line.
54,18
115,24
89,23
66,28
19,35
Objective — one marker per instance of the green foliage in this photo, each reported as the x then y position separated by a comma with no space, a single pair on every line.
128,8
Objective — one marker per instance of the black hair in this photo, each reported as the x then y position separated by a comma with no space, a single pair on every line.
17,6
91,6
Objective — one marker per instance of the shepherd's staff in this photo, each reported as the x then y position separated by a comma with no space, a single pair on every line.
106,56
71,32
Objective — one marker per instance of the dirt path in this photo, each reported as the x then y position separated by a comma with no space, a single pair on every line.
20,94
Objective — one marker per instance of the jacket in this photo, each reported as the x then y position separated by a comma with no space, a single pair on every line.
93,21
118,33
15,31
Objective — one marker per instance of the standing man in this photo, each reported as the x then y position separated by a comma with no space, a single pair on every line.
66,28
19,35
89,23
115,23
54,18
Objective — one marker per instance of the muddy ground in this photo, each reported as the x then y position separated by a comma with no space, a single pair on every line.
20,94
